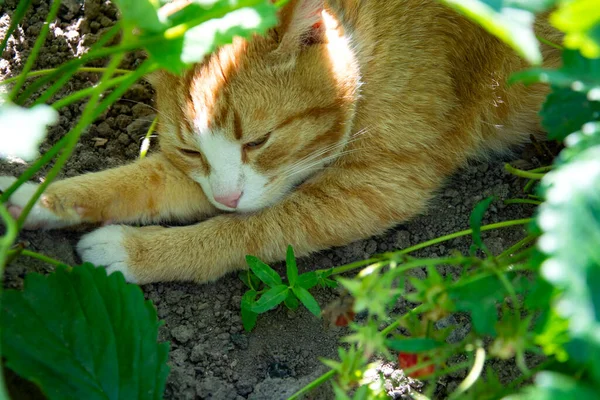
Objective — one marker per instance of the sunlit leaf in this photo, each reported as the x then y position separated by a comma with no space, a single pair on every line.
307,299
270,299
580,20
265,273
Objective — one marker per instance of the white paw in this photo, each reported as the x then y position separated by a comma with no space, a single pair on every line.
104,247
39,217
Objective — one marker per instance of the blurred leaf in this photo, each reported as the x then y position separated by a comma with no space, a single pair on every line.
413,345
79,334
555,386
291,301
580,20
292,269
207,25
475,222
308,300
248,316
307,280
270,299
23,129
142,14
265,273
570,221
511,21
566,111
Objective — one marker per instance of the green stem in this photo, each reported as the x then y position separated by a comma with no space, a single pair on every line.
73,137
515,247
313,385
83,93
35,167
43,72
522,201
441,239
36,48
549,43
22,7
41,257
473,375
523,174
33,87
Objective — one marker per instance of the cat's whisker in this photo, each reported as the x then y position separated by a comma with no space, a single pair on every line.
321,161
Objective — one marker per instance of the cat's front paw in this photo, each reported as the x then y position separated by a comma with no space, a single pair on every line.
40,216
106,247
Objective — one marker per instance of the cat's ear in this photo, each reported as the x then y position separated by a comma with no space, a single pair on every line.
301,24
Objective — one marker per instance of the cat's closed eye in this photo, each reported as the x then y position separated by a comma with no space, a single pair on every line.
190,152
257,143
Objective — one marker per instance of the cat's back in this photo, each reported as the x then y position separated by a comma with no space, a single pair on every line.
426,68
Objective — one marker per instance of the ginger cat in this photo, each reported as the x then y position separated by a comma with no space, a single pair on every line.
337,125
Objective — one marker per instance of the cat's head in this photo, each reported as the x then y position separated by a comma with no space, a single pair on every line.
258,117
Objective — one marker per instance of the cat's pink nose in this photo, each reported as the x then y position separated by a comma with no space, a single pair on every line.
230,200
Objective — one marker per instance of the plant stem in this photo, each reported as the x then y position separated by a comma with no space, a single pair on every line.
68,66
73,137
36,48
473,375
39,256
441,239
17,16
549,43
313,385
522,201
43,72
515,247
35,167
521,173
80,94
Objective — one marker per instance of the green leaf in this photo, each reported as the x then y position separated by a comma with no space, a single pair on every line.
475,222
23,129
307,280
508,20
413,345
580,20
555,386
480,297
142,14
79,334
291,301
570,222
248,316
210,24
292,269
308,300
566,111
265,273
270,299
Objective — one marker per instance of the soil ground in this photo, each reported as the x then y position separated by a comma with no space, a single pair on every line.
212,357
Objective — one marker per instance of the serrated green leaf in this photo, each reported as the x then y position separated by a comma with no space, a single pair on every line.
475,222
292,268
82,335
308,300
270,299
507,20
291,301
307,280
413,345
265,273
248,316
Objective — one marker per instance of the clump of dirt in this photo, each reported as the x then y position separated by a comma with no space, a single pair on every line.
211,355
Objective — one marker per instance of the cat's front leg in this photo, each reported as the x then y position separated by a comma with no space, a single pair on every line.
147,191
334,210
